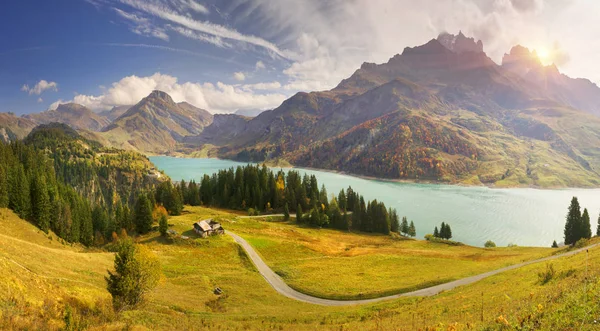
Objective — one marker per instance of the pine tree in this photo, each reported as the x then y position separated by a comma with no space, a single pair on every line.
19,198
448,232
143,214
412,231
598,229
404,227
585,227
299,214
436,233
40,203
286,212
443,231
3,187
163,225
572,223
554,244
395,225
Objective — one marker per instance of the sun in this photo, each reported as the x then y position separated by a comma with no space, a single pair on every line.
543,54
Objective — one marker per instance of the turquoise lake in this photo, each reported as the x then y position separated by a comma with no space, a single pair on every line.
521,216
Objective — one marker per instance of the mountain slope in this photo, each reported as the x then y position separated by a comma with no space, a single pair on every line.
13,127
156,124
72,114
442,111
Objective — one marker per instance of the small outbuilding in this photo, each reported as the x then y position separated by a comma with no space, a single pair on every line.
208,227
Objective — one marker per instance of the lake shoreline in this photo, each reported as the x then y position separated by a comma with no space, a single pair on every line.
390,180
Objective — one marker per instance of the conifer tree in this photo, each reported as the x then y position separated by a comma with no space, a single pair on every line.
40,203
448,232
598,229
554,244
404,227
443,231
19,198
299,214
572,224
585,227
143,214
436,233
412,231
163,225
395,226
286,212
3,187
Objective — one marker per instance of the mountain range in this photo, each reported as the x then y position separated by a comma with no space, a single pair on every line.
442,111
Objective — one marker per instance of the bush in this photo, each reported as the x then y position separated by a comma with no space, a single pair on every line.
430,237
252,212
554,244
545,276
137,271
512,245
581,243
490,244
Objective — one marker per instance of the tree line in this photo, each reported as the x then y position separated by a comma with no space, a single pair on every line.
59,182
257,188
578,225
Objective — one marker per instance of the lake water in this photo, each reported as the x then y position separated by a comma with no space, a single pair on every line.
522,216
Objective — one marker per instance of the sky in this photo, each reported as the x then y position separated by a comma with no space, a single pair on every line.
225,55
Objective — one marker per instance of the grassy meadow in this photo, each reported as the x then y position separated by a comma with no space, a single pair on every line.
40,276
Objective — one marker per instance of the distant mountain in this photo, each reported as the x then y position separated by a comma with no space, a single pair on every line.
156,124
249,112
460,43
442,111
13,127
72,114
115,112
577,93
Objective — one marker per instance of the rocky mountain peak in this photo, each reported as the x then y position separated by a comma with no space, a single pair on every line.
521,60
161,96
460,43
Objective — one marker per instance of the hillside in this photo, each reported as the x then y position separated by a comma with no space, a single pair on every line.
156,124
442,111
34,265
72,114
13,127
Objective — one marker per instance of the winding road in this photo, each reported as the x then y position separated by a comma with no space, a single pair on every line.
280,286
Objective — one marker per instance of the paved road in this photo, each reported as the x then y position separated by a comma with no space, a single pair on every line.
280,286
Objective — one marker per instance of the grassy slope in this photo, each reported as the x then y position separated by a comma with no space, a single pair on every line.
310,260
192,268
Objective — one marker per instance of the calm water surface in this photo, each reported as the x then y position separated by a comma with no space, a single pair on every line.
522,216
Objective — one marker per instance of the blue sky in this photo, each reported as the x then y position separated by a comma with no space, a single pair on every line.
224,55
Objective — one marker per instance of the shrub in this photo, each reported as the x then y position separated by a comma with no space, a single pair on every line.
545,276
512,245
554,244
490,244
137,271
581,243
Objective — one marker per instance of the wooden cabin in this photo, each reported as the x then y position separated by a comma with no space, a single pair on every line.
208,227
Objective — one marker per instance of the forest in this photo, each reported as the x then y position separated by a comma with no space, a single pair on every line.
90,194
259,189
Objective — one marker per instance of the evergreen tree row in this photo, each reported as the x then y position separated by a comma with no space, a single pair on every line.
261,189
445,232
577,225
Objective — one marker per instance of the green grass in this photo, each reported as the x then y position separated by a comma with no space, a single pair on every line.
64,275
311,260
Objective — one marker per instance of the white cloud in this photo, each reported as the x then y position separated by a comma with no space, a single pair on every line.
165,12
343,34
217,41
193,5
40,87
142,25
259,66
217,98
263,86
239,76
40,100
55,104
